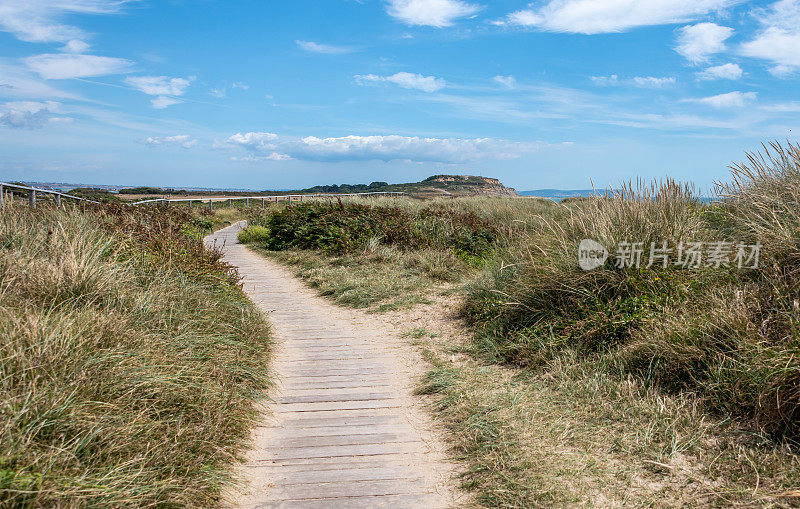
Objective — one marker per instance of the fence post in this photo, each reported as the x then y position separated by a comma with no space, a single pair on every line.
210,205
2,193
32,198
230,203
58,200
247,202
276,200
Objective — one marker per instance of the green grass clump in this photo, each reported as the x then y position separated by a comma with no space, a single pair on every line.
254,234
382,282
130,360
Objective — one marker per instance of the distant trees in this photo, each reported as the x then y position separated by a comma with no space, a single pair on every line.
153,190
347,188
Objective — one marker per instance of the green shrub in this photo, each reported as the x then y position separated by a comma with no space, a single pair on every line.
347,228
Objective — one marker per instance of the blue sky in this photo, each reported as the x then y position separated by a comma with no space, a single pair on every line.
285,94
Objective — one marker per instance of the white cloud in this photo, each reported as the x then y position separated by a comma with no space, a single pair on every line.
29,114
59,66
20,82
261,144
434,13
790,107
38,20
162,102
697,42
652,82
778,40
729,100
159,85
405,80
274,156
395,147
507,81
264,145
605,81
604,16
326,49
75,46
256,141
222,92
638,81
721,72
181,140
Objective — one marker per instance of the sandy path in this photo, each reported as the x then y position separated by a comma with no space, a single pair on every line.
343,429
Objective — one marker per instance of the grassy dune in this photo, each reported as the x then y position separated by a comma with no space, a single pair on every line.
646,386
130,359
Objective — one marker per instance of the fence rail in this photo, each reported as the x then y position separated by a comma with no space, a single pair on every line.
264,199
34,191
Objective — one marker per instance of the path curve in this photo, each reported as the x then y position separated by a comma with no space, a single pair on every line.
343,429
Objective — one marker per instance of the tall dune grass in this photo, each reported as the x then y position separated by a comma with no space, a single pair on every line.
730,335
129,360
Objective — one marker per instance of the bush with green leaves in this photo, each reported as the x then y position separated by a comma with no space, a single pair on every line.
349,227
254,234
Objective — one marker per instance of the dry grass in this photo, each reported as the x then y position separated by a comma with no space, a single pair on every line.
379,281
130,361
579,432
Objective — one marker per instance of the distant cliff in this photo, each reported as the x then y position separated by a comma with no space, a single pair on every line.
455,185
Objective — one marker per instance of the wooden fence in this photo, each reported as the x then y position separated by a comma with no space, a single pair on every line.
263,200
34,194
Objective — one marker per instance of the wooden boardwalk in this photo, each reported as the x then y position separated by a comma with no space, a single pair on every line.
342,430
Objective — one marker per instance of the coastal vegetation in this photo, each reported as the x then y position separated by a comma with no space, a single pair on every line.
623,385
131,360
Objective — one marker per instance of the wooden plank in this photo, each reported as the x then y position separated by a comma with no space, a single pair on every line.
394,458
332,451
328,372
320,398
307,421
338,430
364,380
284,477
351,489
331,406
295,391
379,502
342,362
346,439
334,355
